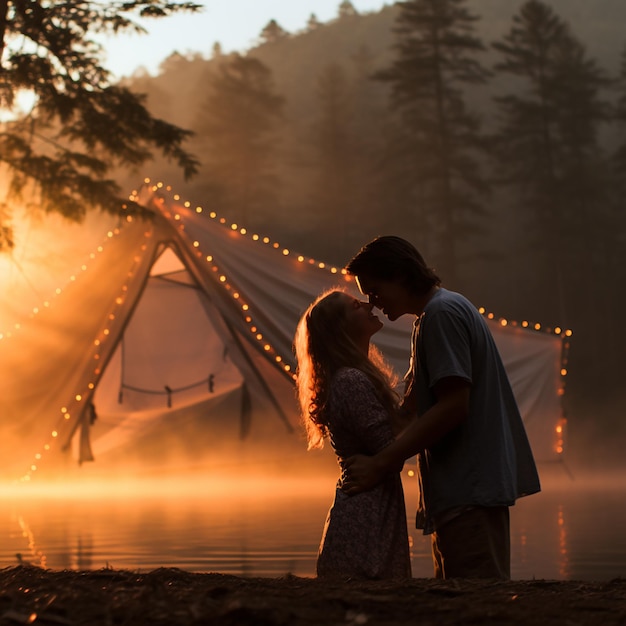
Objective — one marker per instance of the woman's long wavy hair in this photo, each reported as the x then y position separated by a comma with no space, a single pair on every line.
323,345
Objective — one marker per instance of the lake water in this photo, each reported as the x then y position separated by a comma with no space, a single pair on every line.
573,530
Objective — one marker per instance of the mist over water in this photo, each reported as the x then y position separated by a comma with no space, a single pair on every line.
257,525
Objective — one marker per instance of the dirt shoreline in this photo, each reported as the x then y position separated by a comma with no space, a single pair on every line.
172,597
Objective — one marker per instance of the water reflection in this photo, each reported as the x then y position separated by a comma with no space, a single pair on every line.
569,531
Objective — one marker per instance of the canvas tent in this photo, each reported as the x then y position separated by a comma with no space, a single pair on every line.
173,341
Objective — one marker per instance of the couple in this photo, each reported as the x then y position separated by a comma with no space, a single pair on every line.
458,414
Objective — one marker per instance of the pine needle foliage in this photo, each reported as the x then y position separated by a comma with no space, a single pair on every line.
80,124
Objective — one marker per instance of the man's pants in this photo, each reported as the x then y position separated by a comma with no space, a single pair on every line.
474,544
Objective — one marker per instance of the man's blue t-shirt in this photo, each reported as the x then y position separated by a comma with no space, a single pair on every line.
487,460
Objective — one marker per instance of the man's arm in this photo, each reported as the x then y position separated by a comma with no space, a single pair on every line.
450,410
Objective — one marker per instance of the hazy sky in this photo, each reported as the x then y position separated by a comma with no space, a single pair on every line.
234,23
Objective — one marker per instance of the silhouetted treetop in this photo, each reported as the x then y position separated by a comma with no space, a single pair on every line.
272,32
79,124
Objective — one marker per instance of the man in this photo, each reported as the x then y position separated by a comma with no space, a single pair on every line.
474,458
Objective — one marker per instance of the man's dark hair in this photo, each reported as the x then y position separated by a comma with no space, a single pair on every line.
393,258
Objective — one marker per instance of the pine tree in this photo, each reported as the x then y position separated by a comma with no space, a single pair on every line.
333,142
346,9
272,32
615,248
216,51
79,125
312,23
237,137
436,55
619,155
549,149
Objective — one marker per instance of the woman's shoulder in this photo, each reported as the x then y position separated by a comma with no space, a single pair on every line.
350,376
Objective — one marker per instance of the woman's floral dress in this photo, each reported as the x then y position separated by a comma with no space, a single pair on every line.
365,535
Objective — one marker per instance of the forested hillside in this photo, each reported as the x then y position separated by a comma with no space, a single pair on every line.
505,166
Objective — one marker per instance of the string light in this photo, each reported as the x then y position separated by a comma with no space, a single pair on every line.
84,266
564,334
78,402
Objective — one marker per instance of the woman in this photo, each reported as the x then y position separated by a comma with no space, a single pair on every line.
345,393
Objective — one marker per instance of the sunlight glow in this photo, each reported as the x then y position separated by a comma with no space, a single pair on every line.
23,105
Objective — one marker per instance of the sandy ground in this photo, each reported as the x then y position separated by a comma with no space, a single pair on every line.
172,597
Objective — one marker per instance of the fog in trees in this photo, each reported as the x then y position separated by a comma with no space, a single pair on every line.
436,55
235,132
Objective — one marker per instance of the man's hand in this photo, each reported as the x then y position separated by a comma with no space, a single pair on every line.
360,473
